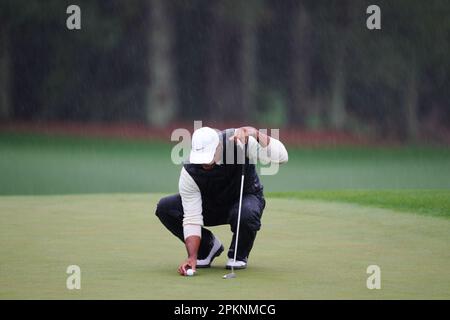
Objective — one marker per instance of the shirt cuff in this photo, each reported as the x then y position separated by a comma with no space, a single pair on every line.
192,230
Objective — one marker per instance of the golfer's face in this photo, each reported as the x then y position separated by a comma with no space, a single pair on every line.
217,154
208,166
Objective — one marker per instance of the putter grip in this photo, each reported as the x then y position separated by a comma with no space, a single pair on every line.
245,156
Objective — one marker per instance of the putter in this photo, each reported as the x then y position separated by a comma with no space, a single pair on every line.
232,274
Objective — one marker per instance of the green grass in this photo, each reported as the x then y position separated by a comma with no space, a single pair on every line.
37,164
427,202
313,244
307,249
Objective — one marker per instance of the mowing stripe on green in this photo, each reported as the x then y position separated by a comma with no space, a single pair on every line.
426,202
306,249
37,164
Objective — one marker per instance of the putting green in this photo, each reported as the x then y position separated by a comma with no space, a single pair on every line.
307,249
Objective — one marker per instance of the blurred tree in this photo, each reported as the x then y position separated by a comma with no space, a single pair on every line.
220,73
233,57
301,50
162,93
423,30
311,63
193,34
407,29
5,71
344,13
249,19
408,49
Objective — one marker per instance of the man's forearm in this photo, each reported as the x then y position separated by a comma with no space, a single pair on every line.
263,139
192,245
272,149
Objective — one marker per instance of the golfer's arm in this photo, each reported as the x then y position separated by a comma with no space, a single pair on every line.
193,218
266,148
192,244
262,138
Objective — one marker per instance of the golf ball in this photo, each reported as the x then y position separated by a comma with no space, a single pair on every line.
190,272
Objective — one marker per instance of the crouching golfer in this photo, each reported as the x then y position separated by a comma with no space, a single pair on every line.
209,189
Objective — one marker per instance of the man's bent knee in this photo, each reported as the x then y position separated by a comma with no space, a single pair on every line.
170,205
250,219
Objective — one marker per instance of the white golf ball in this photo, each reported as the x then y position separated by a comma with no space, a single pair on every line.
190,272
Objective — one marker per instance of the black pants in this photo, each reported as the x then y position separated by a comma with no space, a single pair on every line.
170,212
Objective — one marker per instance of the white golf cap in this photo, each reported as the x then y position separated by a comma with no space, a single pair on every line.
204,143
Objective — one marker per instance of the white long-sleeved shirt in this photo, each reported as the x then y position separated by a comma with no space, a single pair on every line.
190,193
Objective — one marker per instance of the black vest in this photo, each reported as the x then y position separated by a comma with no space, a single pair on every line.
220,186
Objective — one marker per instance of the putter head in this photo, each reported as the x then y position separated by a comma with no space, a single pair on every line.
230,276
